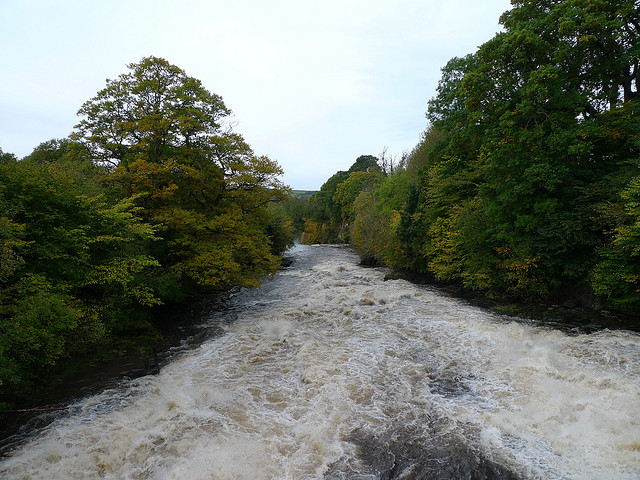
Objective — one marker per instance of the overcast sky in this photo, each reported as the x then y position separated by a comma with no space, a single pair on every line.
312,84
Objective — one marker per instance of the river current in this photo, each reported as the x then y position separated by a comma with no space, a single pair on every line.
330,372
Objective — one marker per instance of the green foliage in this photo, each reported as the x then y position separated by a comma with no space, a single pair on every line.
321,204
42,326
617,275
511,194
152,112
297,209
159,133
419,156
148,199
374,230
348,190
320,232
329,209
50,152
281,230
364,163
67,260
516,183
7,157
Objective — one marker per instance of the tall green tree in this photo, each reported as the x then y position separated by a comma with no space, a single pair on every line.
524,148
160,134
153,112
555,71
377,213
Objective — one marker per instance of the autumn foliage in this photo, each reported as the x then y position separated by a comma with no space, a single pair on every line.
152,198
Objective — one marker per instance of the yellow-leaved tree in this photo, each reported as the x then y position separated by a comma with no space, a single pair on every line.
166,142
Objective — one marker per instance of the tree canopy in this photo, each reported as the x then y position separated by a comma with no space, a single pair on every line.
155,111
526,179
152,198
328,215
159,134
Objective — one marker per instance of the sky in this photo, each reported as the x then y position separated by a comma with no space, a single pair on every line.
312,84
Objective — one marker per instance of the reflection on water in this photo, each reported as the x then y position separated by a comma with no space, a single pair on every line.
330,372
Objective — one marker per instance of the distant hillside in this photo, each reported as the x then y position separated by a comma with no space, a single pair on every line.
302,193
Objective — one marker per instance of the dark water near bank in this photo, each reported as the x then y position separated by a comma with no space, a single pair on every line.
329,372
179,329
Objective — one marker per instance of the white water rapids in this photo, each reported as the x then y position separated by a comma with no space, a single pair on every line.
330,372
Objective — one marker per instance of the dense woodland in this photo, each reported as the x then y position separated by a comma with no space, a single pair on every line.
527,179
151,199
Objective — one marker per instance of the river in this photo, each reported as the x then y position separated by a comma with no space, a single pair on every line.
330,372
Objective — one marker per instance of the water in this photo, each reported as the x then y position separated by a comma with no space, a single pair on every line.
328,372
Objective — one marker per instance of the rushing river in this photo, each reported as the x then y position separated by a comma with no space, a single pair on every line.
329,372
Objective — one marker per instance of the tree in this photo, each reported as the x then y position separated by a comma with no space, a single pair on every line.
377,211
326,223
70,266
594,44
525,148
52,151
7,157
364,163
151,112
350,188
555,74
159,134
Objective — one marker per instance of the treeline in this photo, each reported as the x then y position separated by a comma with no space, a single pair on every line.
527,180
151,199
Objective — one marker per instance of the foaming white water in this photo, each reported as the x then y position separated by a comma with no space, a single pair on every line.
330,372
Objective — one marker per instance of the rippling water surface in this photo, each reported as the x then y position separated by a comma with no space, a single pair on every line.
329,372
